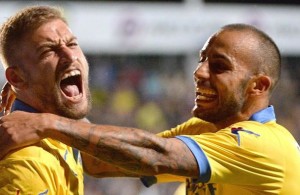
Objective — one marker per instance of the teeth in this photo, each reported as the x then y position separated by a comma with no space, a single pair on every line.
205,91
205,94
71,73
200,97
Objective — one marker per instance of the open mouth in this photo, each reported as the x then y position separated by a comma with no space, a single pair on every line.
71,84
205,94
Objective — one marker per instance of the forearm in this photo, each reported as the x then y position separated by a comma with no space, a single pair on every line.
97,168
136,151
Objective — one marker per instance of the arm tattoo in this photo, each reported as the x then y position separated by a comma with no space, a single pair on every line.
77,141
130,149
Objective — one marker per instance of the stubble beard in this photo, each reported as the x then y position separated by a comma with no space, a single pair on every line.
226,109
230,107
56,105
75,111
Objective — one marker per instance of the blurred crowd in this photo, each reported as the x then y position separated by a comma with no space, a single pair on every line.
156,93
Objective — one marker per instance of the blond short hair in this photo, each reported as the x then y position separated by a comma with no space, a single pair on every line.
19,25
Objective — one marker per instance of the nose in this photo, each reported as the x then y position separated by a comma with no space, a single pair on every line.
67,55
202,71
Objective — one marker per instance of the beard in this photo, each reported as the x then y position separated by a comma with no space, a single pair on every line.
227,108
53,102
74,111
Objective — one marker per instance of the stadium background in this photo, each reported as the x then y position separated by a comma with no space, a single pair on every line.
142,55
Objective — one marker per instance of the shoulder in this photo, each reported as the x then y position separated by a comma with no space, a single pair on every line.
192,126
28,170
41,152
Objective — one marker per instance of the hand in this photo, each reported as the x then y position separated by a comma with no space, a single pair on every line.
7,98
17,130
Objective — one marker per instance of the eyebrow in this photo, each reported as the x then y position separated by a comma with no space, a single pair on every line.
221,55
51,43
72,38
45,44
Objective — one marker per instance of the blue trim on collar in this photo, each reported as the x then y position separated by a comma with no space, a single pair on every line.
264,116
19,105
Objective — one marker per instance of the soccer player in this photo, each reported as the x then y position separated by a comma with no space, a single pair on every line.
242,150
48,73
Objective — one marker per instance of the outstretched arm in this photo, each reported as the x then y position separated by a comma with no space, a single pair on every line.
97,168
130,149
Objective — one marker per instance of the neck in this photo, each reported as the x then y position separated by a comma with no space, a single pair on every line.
245,114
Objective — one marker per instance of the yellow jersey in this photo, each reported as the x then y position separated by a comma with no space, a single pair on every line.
257,156
46,168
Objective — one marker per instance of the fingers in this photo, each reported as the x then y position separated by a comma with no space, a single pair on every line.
8,106
4,92
7,98
3,140
17,131
5,89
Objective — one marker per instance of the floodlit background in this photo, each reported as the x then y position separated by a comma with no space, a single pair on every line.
142,55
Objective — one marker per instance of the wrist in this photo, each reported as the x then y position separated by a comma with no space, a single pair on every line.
46,125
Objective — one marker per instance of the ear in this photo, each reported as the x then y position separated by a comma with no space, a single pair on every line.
15,77
261,84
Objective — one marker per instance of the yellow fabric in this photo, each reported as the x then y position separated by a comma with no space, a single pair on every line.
193,126
163,178
257,159
44,168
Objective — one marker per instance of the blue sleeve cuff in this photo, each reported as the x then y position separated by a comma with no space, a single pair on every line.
202,161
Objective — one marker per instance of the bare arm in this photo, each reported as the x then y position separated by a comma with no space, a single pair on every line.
97,168
133,150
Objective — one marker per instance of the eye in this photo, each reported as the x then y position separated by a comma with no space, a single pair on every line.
73,44
202,59
219,67
46,52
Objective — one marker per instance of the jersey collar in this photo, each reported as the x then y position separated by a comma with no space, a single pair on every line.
19,105
264,116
